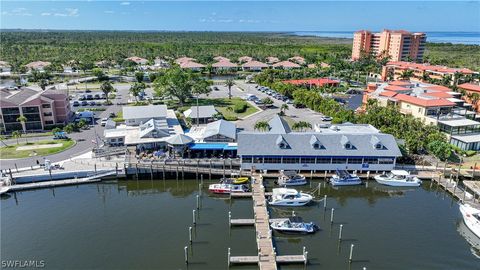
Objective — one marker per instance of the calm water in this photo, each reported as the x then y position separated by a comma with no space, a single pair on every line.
435,37
144,225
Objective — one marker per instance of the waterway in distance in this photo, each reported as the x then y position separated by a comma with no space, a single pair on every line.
144,225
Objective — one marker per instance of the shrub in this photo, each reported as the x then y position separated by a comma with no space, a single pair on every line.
230,118
470,153
240,107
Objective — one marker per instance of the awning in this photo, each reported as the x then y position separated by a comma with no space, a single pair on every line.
212,146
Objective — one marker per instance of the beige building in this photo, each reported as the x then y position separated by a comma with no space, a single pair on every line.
397,45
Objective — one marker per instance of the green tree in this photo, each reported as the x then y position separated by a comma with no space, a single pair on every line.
56,130
69,128
267,101
179,84
283,108
22,119
43,83
229,83
440,149
406,74
301,126
136,89
262,126
82,123
139,75
17,135
107,88
98,72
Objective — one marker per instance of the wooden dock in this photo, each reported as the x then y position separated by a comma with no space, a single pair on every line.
48,184
251,221
462,194
266,258
246,194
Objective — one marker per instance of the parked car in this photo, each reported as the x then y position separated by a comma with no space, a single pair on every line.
103,122
326,118
92,103
89,97
258,102
288,101
216,88
82,97
298,105
96,96
112,115
76,103
84,103
88,91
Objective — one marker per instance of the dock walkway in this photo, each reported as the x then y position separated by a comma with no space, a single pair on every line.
267,258
462,194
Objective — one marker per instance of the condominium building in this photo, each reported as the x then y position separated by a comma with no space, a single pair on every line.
397,45
42,109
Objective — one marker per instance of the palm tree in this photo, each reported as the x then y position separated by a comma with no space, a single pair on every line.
43,83
301,126
229,83
22,119
406,74
283,108
107,88
262,126
16,134
475,97
136,89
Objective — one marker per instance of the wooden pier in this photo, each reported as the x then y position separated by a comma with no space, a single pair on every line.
246,194
266,258
251,222
462,194
48,184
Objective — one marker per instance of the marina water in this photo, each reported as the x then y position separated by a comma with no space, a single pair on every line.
144,225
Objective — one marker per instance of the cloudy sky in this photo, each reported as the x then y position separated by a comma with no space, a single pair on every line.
242,15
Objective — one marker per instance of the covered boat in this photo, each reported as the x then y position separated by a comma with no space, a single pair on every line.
398,178
291,178
227,188
471,217
344,178
294,225
289,197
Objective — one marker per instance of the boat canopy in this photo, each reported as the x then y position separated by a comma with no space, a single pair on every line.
295,219
400,172
284,191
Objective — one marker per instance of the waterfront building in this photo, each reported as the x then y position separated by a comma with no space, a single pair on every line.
224,64
344,146
137,115
320,82
285,65
254,66
37,65
218,131
43,109
191,65
396,44
200,114
394,70
471,88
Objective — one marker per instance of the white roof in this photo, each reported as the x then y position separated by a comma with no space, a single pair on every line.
468,138
202,112
400,172
459,122
179,139
140,112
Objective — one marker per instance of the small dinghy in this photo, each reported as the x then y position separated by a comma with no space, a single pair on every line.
235,181
294,225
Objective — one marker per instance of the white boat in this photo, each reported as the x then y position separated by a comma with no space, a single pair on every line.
471,217
343,178
4,189
289,197
294,225
291,178
227,188
398,178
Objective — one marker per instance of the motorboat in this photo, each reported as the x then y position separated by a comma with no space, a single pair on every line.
398,178
291,178
471,217
4,189
289,197
470,237
227,188
294,225
344,178
235,181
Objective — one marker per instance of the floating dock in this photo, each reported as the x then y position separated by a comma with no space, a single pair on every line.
462,194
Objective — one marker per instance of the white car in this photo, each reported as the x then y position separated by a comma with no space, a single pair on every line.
103,122
326,118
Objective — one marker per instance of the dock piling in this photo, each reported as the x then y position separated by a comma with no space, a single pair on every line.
198,202
293,213
185,249
340,233
351,253
331,215
190,234
229,218
319,188
194,216
228,257
325,202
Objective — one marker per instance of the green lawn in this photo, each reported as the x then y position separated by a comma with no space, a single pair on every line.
10,152
221,104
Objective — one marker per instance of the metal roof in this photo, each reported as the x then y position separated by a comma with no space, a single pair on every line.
299,144
278,125
221,127
141,112
202,112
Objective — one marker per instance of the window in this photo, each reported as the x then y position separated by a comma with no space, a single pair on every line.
379,146
247,159
324,160
354,161
120,139
257,160
339,160
385,161
371,160
48,114
272,160
46,106
308,160
30,109
291,160
349,146
49,122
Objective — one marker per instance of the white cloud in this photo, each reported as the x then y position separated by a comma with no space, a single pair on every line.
17,12
69,12
46,14
125,3
109,12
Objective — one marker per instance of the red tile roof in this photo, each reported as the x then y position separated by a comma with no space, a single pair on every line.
428,67
191,64
224,64
400,83
423,102
396,88
470,87
286,64
388,94
438,88
316,82
254,64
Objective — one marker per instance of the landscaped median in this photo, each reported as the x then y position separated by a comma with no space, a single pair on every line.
35,149
231,109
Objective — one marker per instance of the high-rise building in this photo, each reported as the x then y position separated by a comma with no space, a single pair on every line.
398,45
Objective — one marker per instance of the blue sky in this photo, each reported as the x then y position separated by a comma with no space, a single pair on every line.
242,16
